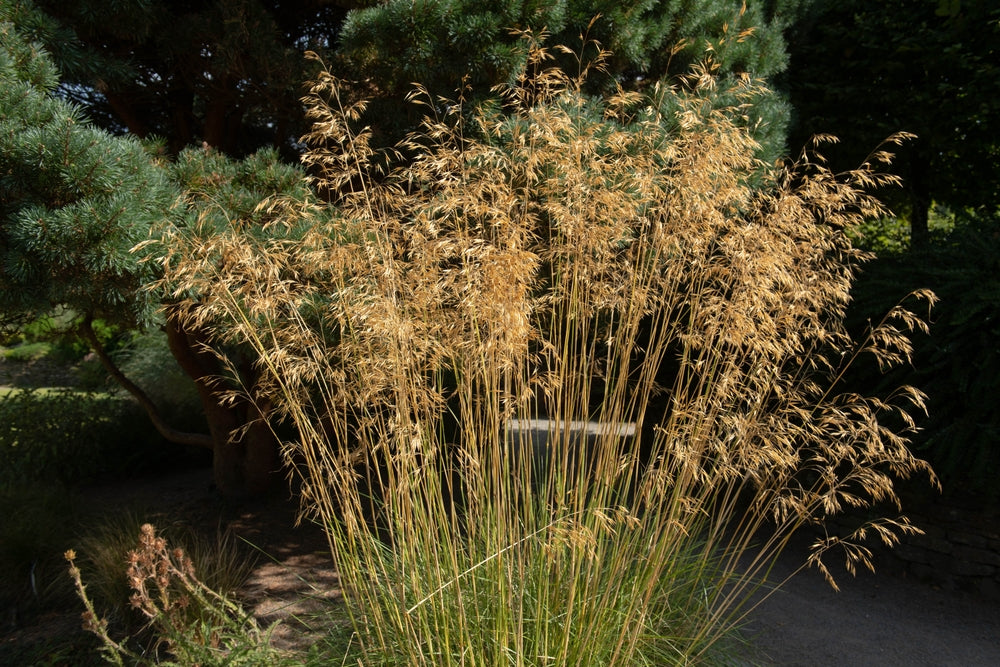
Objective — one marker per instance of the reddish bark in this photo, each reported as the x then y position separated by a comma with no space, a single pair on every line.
245,453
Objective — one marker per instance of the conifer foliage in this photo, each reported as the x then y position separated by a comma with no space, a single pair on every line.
226,72
74,200
447,45
76,206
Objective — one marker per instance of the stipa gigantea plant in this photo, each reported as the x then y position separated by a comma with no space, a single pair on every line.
568,261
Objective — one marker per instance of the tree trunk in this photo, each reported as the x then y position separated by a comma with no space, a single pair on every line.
181,103
245,453
245,459
124,109
223,119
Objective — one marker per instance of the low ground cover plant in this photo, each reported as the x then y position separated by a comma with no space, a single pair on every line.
64,435
68,436
570,261
192,622
222,562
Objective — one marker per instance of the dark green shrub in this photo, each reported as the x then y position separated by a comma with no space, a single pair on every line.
27,352
958,364
70,436
55,333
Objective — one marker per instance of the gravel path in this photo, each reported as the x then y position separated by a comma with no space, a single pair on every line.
876,619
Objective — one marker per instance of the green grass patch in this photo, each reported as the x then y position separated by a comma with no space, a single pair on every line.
12,393
26,351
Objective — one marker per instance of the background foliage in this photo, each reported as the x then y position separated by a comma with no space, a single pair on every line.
74,437
958,363
226,72
863,70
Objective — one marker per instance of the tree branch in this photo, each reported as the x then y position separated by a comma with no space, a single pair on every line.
164,429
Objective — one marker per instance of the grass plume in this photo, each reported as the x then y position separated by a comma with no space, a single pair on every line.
564,262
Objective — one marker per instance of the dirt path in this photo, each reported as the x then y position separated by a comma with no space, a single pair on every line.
876,619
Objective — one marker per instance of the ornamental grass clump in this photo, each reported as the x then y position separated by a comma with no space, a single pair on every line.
441,328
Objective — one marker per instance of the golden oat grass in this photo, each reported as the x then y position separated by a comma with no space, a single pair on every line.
442,328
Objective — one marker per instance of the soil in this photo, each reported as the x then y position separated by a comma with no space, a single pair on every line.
293,580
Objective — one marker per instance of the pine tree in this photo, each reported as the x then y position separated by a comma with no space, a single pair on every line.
76,201
467,45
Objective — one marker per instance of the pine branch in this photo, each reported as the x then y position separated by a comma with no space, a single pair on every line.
173,435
